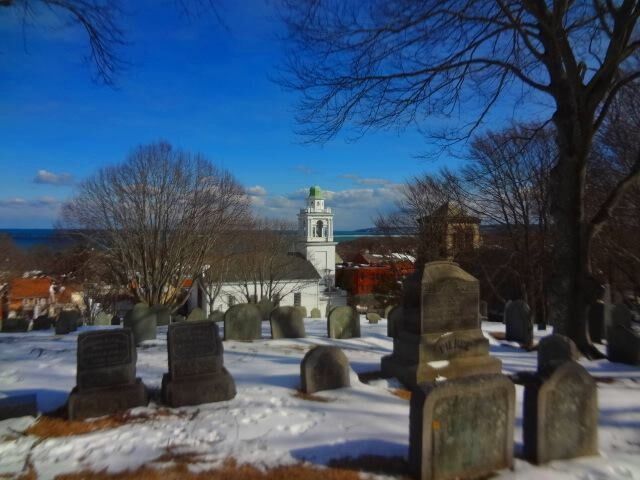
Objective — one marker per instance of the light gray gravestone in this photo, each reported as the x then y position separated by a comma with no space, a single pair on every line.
343,322
243,322
196,315
315,313
373,317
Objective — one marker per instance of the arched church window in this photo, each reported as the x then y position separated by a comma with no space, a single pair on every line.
319,228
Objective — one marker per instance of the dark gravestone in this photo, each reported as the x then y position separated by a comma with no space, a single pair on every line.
115,320
561,415
196,315
64,324
394,321
373,317
517,315
243,322
287,322
439,334
18,406
483,310
265,306
555,350
216,316
43,322
462,428
623,341
343,322
106,380
15,325
315,313
163,315
596,321
142,322
177,318
196,368
324,368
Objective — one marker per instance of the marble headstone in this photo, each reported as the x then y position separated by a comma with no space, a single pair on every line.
243,322
343,322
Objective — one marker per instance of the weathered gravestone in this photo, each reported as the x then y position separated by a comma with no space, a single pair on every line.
177,318
387,310
561,415
196,368
302,310
115,320
18,406
287,322
483,310
71,319
394,321
43,322
623,341
65,324
517,316
266,306
243,322
15,325
196,315
343,322
102,319
462,428
324,368
142,322
373,317
106,380
596,321
440,334
163,315
315,313
216,316
555,350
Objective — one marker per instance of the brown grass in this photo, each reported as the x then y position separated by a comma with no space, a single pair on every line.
311,397
402,393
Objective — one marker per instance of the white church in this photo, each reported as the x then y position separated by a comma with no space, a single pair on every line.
307,280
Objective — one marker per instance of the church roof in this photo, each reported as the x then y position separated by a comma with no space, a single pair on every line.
283,267
316,192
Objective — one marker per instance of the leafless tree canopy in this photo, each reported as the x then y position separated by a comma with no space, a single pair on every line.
157,216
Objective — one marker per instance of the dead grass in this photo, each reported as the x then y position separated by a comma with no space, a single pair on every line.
396,466
51,427
402,393
311,397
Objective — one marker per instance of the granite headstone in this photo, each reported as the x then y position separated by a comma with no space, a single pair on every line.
287,322
243,322
343,322
324,368
519,325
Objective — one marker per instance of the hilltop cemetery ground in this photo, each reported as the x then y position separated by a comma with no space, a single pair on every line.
269,425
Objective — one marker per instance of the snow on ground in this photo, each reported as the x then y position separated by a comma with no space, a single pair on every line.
266,424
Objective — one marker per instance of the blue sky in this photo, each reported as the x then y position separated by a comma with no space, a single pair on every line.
194,83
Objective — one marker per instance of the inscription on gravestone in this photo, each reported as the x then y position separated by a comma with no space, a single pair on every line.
106,359
451,304
194,350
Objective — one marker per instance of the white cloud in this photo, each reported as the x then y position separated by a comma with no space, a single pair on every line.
29,212
372,181
257,191
50,178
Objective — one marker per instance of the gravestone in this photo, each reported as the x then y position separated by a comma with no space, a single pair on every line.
555,350
102,319
196,367
483,310
439,335
216,316
373,317
287,322
394,321
461,428
43,322
16,406
163,315
517,316
596,321
15,325
115,320
64,324
315,313
387,310
324,368
343,322
106,380
623,341
196,315
243,322
177,318
266,306
560,415
302,309
142,322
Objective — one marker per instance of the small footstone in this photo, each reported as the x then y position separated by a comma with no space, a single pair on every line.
461,428
196,371
343,322
243,322
18,406
315,313
287,322
373,317
561,415
196,315
102,319
324,368
106,380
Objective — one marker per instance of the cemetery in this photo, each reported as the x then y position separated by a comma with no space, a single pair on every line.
448,396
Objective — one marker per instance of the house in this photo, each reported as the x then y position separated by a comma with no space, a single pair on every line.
374,272
451,229
30,297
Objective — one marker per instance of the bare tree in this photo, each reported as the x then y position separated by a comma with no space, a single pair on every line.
156,216
382,63
12,259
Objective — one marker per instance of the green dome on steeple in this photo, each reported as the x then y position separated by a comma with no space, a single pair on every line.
315,192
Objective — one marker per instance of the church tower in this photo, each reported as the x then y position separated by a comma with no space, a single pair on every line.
315,235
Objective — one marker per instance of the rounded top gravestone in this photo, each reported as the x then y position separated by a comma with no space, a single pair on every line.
102,319
373,317
555,350
216,316
142,321
287,322
324,368
302,310
315,313
519,325
163,314
243,322
343,322
196,315
266,306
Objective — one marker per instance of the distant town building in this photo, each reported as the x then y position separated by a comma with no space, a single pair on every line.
374,272
452,230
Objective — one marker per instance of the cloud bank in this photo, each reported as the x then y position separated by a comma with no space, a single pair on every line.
49,178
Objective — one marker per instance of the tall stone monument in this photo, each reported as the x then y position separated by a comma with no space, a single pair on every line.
440,334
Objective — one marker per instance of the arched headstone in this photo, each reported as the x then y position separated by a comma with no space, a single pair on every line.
343,322
324,368
243,322
142,322
287,322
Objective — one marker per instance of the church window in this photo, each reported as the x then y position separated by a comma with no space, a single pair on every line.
297,299
319,226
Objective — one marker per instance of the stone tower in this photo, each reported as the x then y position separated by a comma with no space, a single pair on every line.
315,236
